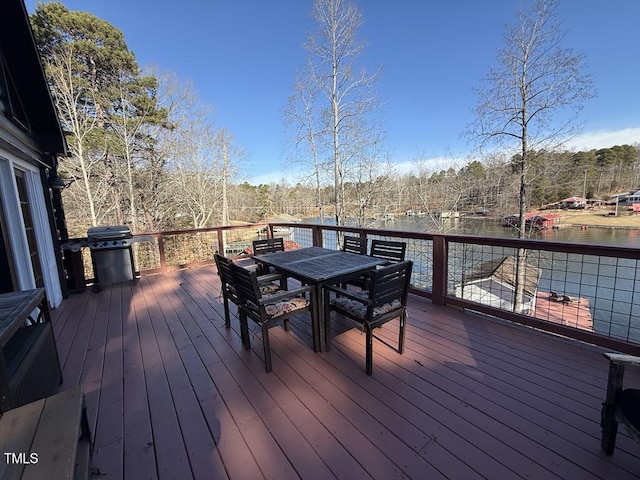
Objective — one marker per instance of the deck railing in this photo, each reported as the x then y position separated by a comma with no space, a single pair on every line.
586,292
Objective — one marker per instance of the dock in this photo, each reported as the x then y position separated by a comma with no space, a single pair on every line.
574,313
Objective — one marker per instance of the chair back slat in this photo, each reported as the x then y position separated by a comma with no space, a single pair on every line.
223,264
246,282
355,245
268,245
387,250
390,283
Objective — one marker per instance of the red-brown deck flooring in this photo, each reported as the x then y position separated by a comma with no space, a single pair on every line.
172,394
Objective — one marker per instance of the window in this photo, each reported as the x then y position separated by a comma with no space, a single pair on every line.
28,227
7,282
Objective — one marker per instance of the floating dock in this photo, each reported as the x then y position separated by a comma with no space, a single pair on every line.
573,312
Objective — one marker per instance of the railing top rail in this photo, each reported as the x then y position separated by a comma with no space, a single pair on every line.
534,244
547,245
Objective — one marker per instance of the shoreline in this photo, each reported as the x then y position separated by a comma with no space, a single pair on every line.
615,227
597,218
592,218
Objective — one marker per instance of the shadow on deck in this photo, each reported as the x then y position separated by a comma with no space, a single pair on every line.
172,394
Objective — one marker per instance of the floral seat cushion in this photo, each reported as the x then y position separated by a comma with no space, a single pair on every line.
269,289
359,309
286,306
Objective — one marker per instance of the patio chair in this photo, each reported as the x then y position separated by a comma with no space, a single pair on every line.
267,311
392,252
267,245
228,288
354,245
621,405
385,300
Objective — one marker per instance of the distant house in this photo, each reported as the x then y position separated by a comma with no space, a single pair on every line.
31,215
493,283
633,198
573,202
533,221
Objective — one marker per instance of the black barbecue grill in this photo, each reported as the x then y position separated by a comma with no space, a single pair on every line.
111,254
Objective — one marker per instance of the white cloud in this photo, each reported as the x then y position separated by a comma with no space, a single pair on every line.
267,178
605,139
584,141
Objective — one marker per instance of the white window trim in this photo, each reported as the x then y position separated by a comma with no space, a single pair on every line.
44,240
15,226
16,230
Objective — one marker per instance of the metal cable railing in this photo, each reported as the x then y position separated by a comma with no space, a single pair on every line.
590,292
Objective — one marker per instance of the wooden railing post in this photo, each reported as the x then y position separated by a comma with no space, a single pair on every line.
221,248
317,236
163,260
440,261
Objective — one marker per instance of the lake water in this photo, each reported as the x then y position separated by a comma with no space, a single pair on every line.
612,285
492,228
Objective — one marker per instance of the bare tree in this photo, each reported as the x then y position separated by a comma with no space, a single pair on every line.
228,154
301,115
79,120
531,99
190,153
134,111
196,178
439,191
347,93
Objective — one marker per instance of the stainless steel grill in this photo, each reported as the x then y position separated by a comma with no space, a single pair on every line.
116,236
111,254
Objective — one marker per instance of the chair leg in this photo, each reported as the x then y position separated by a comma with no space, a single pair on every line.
286,324
368,349
326,299
403,323
608,421
227,317
244,331
609,429
267,348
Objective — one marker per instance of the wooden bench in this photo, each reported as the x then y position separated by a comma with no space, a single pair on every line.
46,439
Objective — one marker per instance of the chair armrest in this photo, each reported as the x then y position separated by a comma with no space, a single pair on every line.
622,359
347,293
246,262
270,277
284,294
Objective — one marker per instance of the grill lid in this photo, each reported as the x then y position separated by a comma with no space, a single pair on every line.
110,232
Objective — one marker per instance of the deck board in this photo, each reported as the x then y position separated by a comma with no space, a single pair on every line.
172,393
104,390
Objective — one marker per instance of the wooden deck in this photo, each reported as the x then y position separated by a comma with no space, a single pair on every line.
171,394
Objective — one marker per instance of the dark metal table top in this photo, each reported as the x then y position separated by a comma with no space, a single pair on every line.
318,265
15,308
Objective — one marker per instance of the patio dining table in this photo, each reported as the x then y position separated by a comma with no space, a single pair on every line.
318,266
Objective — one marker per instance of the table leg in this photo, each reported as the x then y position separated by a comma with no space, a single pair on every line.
318,330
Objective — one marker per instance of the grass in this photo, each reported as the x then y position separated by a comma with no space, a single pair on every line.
599,217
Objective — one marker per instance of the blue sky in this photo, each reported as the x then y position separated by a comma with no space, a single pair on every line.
242,56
